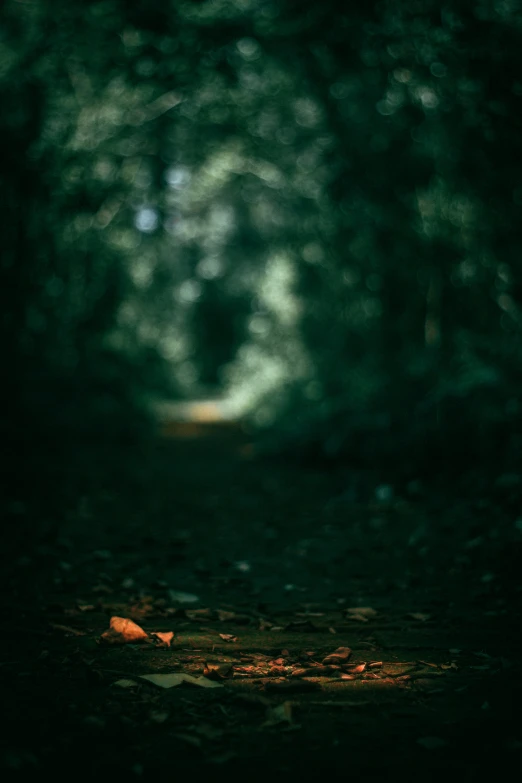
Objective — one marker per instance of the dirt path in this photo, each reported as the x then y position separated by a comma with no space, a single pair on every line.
263,571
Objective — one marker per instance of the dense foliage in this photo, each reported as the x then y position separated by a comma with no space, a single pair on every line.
312,205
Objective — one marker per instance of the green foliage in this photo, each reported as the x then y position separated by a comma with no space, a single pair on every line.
314,206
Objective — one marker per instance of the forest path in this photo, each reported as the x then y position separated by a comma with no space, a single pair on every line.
262,570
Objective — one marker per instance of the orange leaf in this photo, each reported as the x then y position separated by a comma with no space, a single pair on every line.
165,637
124,631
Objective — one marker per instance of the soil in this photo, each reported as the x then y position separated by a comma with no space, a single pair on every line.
261,569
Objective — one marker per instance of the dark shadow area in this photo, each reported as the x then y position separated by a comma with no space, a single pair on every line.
261,301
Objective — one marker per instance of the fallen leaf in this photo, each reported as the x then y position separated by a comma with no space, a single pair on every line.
165,637
218,671
340,655
362,611
124,631
355,669
182,598
228,637
173,679
309,614
432,743
126,684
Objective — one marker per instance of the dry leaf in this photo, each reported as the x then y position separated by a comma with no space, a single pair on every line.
309,614
355,669
218,671
165,637
173,679
299,672
126,684
340,655
124,631
228,637
362,611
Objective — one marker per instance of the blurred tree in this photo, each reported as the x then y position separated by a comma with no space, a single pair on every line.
313,204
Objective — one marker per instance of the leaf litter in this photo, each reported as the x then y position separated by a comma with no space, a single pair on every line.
173,679
122,630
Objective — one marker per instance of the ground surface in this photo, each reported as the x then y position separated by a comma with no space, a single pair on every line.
262,570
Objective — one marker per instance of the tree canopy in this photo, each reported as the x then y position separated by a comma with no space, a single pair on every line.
312,206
